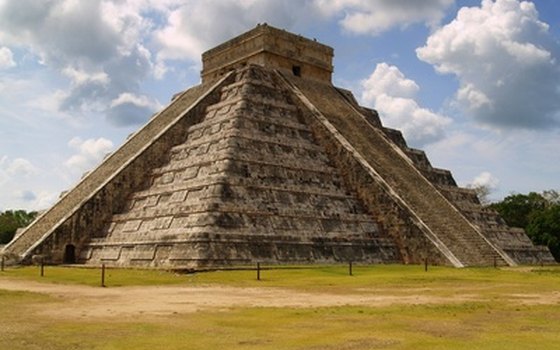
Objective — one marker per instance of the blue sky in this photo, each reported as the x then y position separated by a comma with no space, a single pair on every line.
475,84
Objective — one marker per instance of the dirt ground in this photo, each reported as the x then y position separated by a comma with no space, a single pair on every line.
127,302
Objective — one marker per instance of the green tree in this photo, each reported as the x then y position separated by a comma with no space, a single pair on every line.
518,209
544,229
538,214
11,220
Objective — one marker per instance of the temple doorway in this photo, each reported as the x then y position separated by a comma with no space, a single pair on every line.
69,254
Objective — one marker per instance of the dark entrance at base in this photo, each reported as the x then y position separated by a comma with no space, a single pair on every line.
69,254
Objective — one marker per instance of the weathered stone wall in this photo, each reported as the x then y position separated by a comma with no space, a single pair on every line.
249,183
397,170
514,242
270,47
394,219
84,211
265,167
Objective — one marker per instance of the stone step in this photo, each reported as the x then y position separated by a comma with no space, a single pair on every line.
399,173
269,120
439,177
250,165
195,250
419,158
229,156
350,231
67,205
318,206
217,179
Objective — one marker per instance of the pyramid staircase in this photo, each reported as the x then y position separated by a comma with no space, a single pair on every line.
83,211
260,164
460,241
248,183
512,241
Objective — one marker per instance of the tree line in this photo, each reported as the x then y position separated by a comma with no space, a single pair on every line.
11,220
537,213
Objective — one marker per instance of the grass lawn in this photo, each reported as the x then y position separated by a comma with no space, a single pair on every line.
495,316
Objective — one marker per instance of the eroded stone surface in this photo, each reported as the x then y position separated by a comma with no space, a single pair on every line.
274,165
249,183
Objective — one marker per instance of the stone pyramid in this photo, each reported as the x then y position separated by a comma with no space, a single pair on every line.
267,161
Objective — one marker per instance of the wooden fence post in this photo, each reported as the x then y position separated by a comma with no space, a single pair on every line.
102,275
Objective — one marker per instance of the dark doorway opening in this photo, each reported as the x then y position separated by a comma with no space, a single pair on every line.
69,254
296,70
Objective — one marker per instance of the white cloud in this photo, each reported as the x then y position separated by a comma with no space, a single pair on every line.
181,37
392,94
90,153
178,40
50,103
130,98
19,167
30,200
506,62
59,31
485,179
376,16
388,80
480,147
44,199
107,48
26,195
129,108
80,77
6,58
522,160
98,44
14,176
474,98
192,26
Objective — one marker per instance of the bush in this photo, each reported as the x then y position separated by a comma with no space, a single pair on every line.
544,228
10,221
538,214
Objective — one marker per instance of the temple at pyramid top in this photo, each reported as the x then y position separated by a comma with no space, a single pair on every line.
273,48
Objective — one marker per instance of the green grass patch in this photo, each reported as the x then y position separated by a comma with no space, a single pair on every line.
92,276
494,318
334,279
16,322
469,326
394,278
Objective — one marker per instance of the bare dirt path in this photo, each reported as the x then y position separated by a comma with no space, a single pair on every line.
163,300
84,301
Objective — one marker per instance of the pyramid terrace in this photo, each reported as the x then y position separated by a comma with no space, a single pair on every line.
267,161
